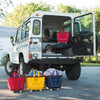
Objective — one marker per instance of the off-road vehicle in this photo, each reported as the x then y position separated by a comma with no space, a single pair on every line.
30,51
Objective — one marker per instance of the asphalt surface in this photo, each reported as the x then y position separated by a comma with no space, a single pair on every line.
86,88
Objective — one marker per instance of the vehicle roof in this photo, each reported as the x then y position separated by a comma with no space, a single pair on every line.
42,13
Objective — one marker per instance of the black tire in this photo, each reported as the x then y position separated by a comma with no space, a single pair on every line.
23,67
8,66
73,71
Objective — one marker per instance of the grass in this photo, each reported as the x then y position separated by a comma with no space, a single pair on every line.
90,64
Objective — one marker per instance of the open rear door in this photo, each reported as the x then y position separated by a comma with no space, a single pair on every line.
84,36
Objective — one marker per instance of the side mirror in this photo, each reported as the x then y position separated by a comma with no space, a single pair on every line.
12,40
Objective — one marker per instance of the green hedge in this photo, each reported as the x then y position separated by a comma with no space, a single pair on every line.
92,59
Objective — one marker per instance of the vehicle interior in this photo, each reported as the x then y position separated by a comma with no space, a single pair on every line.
55,24
80,44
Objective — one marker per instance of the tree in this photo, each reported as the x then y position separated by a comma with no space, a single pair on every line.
97,25
97,19
3,5
3,59
21,12
68,9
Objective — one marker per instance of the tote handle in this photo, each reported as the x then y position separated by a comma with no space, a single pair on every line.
14,73
63,31
32,69
35,71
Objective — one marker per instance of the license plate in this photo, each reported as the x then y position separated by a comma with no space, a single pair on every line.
35,48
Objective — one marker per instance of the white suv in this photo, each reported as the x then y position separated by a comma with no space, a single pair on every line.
30,51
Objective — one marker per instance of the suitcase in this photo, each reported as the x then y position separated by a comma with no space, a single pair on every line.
35,82
16,81
53,81
63,36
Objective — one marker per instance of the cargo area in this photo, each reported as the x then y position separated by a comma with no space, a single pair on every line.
50,46
80,42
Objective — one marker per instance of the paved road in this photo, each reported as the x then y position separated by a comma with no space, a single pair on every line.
86,88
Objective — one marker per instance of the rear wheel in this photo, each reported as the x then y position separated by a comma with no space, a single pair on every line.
73,71
23,67
8,66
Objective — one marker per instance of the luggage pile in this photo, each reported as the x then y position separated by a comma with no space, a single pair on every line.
35,80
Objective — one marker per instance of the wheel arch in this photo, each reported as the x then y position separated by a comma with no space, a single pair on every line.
21,55
8,56
24,68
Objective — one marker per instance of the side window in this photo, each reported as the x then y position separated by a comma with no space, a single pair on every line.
23,32
17,36
27,29
36,27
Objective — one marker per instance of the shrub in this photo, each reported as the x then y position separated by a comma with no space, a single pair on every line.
86,59
93,59
99,59
3,59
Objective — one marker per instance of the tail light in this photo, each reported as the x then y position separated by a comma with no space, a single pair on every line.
30,42
30,55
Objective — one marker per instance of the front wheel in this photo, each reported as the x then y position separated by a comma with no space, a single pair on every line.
8,66
73,71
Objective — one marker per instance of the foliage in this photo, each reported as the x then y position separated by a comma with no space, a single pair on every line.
68,9
97,24
86,59
3,5
3,59
97,19
21,12
98,43
92,59
86,23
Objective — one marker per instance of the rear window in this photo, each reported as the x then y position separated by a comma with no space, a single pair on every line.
36,27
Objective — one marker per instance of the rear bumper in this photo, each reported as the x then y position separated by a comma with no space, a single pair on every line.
55,61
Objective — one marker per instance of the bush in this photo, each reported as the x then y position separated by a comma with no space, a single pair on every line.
93,59
86,59
99,59
3,59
